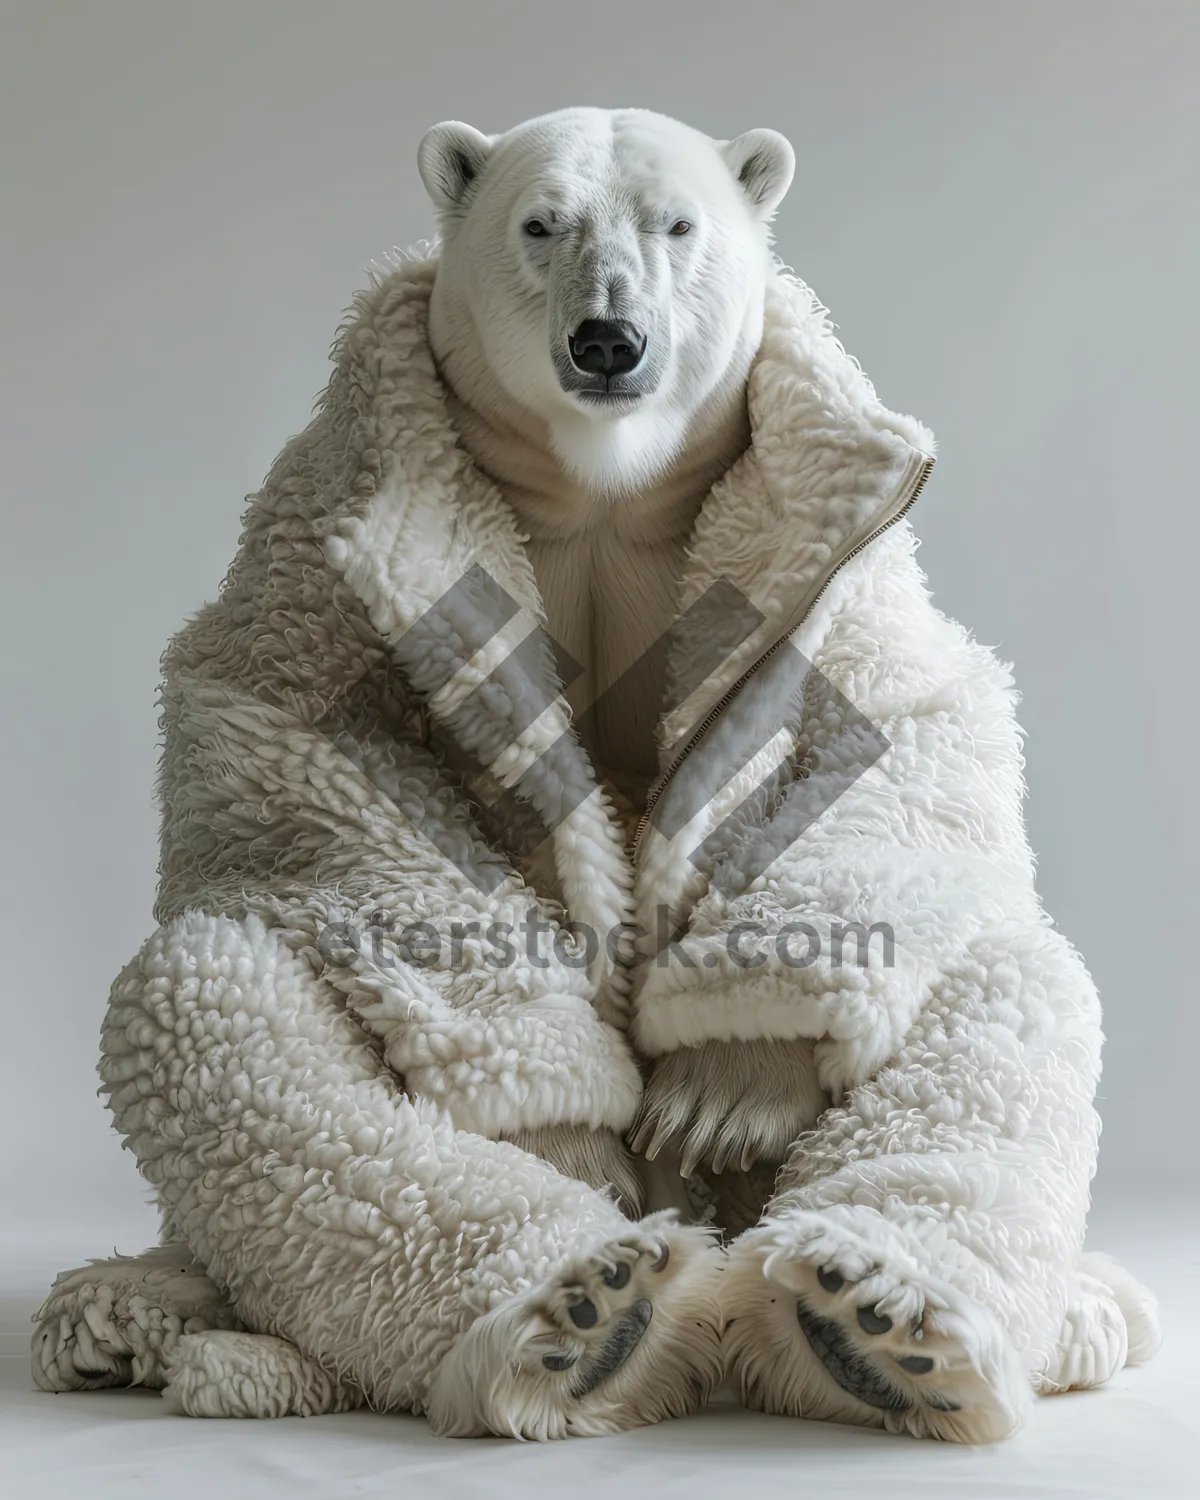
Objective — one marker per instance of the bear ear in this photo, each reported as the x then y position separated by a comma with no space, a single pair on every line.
449,159
762,163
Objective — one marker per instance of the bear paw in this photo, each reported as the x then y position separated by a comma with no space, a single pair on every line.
729,1104
116,1322
621,1335
832,1314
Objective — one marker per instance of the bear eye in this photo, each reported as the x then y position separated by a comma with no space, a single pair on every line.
536,228
680,226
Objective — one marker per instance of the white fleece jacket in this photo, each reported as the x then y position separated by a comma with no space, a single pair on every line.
334,766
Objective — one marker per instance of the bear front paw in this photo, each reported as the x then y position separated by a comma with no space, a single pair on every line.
729,1104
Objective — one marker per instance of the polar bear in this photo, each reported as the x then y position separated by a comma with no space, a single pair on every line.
606,393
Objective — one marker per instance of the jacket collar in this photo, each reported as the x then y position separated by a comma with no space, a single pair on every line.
827,465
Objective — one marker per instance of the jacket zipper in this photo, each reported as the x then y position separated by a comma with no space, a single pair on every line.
915,485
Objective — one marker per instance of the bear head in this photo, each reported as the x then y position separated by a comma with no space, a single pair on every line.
602,271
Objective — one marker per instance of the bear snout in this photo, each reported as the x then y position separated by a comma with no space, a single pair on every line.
600,346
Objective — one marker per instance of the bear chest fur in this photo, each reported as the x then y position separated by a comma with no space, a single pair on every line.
609,579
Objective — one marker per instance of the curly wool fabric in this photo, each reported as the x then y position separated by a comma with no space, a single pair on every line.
322,1125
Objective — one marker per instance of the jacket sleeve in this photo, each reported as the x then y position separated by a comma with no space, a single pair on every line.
885,867
359,841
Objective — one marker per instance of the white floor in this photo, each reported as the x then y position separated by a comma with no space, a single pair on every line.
1137,1439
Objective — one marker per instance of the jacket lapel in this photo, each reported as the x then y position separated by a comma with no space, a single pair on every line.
826,462
827,467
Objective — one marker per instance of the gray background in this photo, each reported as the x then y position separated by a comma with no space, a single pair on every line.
998,202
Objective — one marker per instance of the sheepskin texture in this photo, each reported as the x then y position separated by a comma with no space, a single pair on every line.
117,1322
326,1137
327,1131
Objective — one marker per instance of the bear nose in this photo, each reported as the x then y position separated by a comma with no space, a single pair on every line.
604,348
